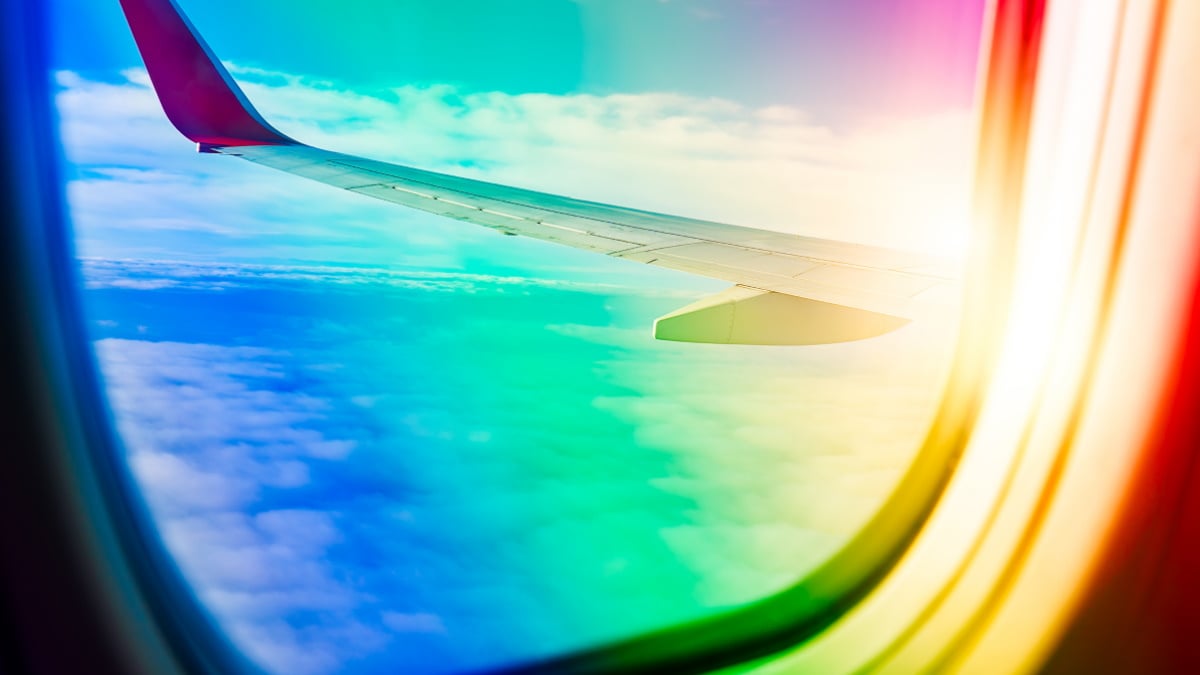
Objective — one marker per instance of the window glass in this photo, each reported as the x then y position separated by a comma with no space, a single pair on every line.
375,439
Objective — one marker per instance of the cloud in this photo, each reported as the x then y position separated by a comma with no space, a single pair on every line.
207,435
171,479
150,275
898,182
902,182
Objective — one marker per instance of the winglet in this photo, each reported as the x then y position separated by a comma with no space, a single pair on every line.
196,92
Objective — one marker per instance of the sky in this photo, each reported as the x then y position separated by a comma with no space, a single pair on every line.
830,58
373,437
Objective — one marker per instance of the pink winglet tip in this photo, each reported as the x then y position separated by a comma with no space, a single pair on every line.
196,92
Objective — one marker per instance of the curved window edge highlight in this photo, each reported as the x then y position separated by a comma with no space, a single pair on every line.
89,570
87,586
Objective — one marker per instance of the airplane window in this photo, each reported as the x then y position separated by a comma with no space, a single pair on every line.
375,438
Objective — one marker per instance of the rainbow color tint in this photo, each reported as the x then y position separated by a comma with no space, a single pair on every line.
377,441
375,438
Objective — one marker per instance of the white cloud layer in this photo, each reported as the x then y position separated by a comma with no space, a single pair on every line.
893,182
206,435
479,464
149,275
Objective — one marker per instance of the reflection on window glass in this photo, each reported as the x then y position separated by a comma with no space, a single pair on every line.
374,438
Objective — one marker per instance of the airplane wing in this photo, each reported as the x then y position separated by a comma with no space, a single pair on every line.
788,289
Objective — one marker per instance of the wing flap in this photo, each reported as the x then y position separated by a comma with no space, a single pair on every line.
751,316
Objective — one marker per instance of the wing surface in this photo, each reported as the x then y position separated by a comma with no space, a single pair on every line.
854,290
